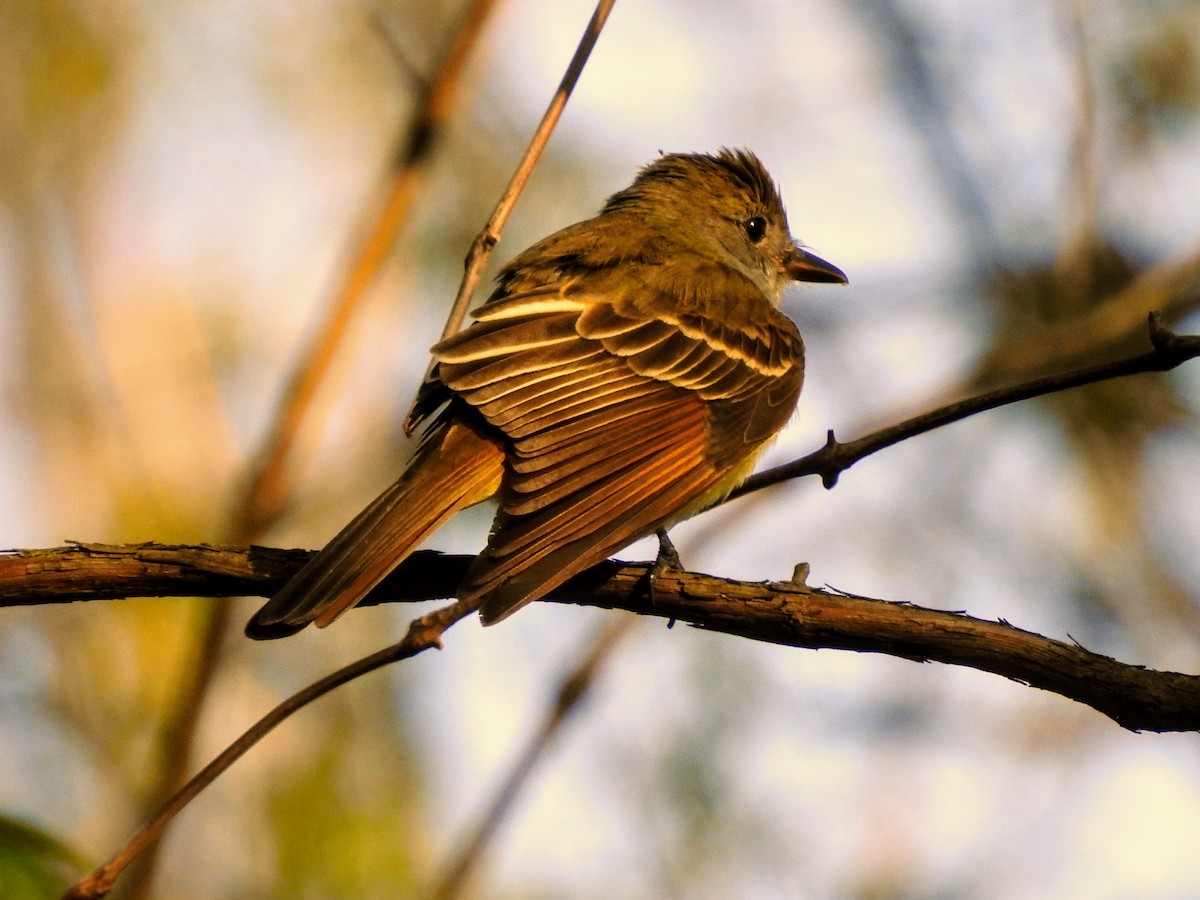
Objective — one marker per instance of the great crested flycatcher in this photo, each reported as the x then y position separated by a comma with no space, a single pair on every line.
624,374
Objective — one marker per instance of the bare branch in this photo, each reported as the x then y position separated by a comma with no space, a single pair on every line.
1169,350
481,249
790,613
795,615
786,613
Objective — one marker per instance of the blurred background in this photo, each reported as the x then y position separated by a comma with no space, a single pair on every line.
1010,184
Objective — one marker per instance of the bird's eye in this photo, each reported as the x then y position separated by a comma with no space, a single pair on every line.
756,229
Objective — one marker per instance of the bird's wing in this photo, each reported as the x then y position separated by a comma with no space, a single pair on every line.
626,407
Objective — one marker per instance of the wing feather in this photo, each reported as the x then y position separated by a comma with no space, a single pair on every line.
591,436
564,434
533,380
502,591
551,298
637,340
601,320
474,375
507,337
549,415
513,415
538,488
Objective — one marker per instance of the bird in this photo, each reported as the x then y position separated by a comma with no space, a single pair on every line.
624,374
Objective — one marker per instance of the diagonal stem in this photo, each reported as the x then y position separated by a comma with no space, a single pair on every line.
481,249
423,633
835,457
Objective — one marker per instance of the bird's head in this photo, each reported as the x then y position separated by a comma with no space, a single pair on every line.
727,206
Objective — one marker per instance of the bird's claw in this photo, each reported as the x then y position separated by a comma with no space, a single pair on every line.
667,560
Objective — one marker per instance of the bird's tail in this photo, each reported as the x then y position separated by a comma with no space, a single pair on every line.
457,466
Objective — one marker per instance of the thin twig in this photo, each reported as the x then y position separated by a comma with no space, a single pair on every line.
423,633
1169,350
178,734
481,250
572,690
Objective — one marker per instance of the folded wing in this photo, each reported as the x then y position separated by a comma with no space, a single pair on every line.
626,408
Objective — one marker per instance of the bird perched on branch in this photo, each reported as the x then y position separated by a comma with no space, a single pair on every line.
625,374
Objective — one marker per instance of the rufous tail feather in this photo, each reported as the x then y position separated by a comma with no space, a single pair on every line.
459,465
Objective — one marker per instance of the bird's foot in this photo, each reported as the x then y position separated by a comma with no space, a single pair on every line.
667,560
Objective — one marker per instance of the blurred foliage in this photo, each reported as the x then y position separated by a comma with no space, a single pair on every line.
34,864
1158,78
340,834
71,65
